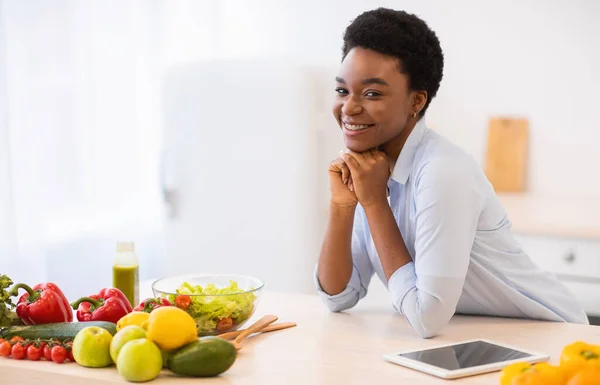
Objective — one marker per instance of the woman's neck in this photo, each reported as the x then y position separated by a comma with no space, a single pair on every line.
393,147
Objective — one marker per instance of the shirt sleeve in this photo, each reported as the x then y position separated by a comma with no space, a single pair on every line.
362,270
448,205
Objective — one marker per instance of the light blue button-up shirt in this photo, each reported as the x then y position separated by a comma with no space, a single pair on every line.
464,257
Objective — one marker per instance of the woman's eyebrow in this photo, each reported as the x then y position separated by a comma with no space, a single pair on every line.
375,81
365,81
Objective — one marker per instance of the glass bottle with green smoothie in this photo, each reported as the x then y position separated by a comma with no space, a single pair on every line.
126,272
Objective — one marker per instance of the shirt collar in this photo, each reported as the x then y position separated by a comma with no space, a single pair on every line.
405,159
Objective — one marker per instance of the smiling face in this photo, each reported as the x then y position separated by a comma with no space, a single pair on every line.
374,104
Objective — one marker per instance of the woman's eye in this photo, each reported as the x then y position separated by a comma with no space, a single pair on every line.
341,91
373,94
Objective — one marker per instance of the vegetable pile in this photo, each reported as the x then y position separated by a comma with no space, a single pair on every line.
579,365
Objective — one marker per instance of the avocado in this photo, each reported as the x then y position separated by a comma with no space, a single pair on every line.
206,357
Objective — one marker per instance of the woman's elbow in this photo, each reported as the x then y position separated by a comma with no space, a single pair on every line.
428,324
426,333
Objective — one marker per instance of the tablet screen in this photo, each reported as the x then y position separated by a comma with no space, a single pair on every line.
465,355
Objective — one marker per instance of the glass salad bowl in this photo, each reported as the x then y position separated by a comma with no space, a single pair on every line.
218,303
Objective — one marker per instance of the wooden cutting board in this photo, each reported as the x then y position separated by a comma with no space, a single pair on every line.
507,150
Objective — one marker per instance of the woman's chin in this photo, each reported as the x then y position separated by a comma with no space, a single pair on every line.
356,146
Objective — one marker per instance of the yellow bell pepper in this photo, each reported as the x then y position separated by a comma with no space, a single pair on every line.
579,355
530,378
523,373
512,371
586,376
553,374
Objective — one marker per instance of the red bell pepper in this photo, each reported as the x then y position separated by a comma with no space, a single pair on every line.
108,305
43,304
152,303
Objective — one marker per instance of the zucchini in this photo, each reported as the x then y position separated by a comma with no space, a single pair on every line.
59,330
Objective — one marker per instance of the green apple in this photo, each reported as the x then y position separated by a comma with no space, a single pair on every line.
139,360
91,347
128,333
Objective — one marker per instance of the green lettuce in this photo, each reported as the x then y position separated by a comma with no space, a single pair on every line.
210,304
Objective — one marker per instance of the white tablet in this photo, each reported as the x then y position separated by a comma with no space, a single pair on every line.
464,358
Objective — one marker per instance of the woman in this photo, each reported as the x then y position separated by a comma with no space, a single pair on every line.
412,207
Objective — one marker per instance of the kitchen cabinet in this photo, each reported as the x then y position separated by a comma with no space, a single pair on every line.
576,263
562,236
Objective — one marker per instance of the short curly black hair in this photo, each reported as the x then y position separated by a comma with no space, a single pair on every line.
404,36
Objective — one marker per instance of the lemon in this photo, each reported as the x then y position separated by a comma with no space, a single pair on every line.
137,318
170,328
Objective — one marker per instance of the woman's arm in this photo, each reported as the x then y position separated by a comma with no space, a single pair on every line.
335,261
449,202
344,270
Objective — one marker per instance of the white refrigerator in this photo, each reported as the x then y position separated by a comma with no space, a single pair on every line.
244,177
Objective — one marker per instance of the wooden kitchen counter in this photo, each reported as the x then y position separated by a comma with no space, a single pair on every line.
328,348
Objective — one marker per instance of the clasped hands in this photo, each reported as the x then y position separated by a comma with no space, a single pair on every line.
359,177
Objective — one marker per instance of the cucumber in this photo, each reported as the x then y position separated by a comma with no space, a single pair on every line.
206,357
59,330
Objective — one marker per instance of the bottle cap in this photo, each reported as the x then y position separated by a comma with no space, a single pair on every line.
125,246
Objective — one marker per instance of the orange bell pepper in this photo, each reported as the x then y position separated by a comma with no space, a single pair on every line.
578,356
523,373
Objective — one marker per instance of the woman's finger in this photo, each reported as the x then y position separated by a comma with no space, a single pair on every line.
350,160
359,157
345,173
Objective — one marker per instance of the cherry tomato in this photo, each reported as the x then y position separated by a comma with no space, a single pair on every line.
5,349
69,346
16,338
224,324
183,301
2,340
47,353
59,354
34,353
18,351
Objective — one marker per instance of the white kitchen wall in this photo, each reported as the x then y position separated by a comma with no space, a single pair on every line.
7,240
517,58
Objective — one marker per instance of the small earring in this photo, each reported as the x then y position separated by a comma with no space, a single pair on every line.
414,115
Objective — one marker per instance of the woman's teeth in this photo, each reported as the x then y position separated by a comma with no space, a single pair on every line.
355,127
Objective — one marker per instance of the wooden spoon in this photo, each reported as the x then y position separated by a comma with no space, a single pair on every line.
255,327
270,328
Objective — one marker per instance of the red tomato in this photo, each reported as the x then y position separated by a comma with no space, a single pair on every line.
59,354
47,353
34,353
5,349
183,301
224,324
2,340
16,338
18,351
69,346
